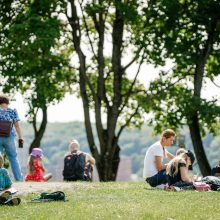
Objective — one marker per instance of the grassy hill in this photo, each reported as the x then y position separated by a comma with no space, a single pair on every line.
117,201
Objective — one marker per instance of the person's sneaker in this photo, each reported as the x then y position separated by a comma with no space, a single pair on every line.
177,189
6,195
173,188
161,186
13,201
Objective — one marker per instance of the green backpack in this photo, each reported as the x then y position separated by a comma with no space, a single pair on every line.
47,197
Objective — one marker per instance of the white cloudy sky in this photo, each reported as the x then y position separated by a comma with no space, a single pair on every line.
70,109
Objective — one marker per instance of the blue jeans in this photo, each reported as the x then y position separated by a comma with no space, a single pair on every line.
8,144
157,179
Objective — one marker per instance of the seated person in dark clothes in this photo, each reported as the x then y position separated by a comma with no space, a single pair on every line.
216,171
78,165
178,170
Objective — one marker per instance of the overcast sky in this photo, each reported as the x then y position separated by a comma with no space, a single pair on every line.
70,109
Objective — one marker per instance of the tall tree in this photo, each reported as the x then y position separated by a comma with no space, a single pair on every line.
103,35
188,33
32,60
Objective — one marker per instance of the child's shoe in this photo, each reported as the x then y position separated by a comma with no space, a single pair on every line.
13,201
6,195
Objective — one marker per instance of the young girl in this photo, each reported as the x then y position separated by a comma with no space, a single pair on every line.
5,181
35,167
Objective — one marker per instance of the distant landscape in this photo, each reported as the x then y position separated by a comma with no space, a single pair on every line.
133,143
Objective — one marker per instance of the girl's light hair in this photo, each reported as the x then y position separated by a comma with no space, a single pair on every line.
180,151
1,160
181,158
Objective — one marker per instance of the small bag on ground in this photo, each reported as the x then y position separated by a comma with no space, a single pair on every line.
201,186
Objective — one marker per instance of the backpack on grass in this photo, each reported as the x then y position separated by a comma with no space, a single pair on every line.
48,197
74,167
213,181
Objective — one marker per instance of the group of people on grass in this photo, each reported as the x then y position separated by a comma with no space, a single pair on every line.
156,173
36,171
175,173
9,126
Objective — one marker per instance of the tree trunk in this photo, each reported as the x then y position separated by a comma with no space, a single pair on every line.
194,119
115,162
198,146
107,167
106,152
40,132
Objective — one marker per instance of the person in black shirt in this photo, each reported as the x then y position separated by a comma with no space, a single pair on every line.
216,171
178,170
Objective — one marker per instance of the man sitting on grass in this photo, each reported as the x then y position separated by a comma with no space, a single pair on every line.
78,165
154,170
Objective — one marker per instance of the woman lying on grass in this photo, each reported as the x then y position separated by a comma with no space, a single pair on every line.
178,170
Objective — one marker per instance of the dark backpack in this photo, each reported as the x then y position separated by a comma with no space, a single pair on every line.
47,197
74,167
215,170
213,181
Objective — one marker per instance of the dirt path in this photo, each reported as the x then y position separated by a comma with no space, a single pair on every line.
36,187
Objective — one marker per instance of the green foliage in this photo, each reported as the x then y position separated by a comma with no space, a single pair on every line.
172,105
98,18
32,60
94,8
180,31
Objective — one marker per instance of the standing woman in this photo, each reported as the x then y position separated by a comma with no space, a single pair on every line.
8,120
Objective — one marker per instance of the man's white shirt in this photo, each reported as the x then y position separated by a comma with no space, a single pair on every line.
154,150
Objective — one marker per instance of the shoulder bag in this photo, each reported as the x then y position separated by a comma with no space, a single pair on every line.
5,128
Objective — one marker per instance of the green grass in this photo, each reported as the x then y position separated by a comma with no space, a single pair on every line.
119,201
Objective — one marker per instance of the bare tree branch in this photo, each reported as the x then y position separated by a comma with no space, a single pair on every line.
127,122
133,60
203,56
87,31
76,32
106,14
215,83
132,85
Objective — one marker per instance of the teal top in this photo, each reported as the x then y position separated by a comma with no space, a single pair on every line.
5,180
